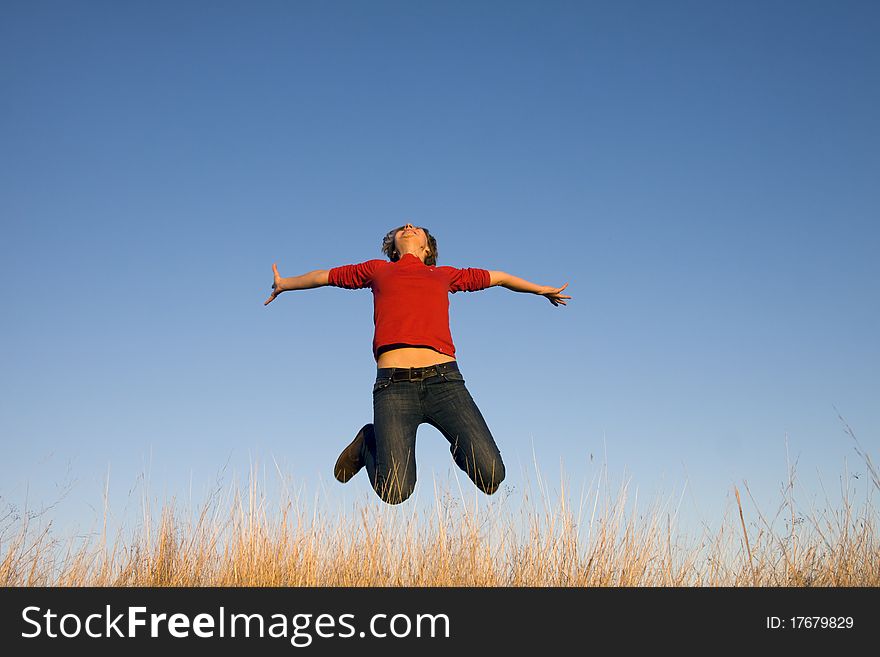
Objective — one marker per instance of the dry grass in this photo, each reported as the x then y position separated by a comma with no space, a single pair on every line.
467,539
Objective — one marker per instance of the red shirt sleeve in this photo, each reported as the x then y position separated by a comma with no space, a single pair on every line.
469,279
353,277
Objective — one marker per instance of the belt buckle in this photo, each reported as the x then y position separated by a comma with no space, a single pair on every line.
416,373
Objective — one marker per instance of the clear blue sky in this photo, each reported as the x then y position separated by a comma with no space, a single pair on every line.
703,174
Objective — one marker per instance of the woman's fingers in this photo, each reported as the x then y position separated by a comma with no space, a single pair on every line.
277,278
556,299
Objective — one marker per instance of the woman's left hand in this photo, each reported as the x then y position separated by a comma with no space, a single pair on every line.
554,294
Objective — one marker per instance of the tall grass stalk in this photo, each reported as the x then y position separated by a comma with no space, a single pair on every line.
241,537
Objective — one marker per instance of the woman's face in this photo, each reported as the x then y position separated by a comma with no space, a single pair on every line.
410,235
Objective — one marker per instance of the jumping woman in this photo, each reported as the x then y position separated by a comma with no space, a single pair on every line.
417,379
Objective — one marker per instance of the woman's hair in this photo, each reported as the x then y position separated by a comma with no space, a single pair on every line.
389,250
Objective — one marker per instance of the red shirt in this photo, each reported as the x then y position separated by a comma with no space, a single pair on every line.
410,299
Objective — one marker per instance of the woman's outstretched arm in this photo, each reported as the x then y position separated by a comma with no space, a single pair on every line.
554,294
317,278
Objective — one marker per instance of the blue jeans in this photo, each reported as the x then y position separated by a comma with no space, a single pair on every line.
443,401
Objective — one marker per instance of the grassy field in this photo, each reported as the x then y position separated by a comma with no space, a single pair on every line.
241,537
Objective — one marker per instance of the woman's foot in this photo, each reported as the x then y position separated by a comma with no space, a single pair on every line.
351,460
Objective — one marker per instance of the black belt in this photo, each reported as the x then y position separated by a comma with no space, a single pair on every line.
419,373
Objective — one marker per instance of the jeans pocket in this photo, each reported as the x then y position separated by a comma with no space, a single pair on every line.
381,384
452,375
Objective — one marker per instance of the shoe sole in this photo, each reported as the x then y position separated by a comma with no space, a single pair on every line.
349,462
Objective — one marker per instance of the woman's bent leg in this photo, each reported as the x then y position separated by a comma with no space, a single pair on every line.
391,449
453,411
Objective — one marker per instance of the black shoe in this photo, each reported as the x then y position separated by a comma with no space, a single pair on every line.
351,460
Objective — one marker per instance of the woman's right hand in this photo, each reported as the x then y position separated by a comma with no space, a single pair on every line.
276,286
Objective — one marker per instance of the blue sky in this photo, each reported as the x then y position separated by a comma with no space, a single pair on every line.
704,175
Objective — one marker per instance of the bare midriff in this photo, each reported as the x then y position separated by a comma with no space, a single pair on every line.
412,357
